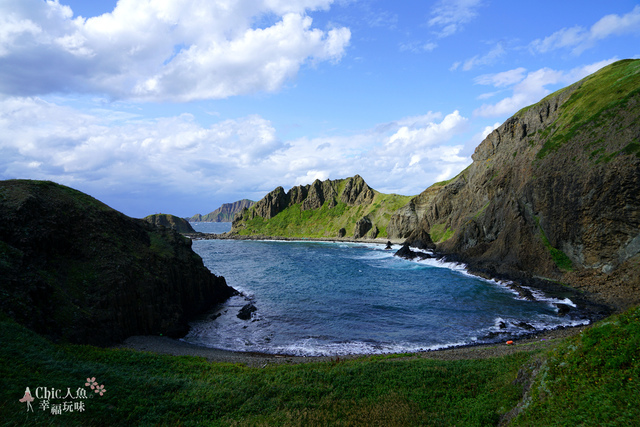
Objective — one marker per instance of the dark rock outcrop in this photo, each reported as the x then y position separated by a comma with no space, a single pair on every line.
406,253
173,222
362,227
356,192
74,269
245,312
224,213
270,205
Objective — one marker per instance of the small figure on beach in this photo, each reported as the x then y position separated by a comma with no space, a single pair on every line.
27,398
388,245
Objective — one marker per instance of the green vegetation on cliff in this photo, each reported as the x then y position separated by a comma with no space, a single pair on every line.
593,104
325,221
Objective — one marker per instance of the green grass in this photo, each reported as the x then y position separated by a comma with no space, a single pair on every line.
594,103
325,221
147,389
591,379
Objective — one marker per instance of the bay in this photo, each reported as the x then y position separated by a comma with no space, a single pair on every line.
328,298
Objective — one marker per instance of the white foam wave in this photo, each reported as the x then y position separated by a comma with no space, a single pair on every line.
540,296
461,268
311,347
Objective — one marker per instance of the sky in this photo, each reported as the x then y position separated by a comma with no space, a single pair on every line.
179,106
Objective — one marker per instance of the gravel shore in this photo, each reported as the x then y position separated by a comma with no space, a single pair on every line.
164,345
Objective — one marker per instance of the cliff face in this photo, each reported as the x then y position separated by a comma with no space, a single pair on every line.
224,213
554,192
321,209
72,268
173,222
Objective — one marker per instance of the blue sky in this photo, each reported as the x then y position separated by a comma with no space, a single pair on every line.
179,106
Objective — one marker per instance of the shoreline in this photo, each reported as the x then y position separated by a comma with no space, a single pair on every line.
228,236
169,346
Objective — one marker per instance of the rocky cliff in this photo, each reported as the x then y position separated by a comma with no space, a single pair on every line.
224,213
338,208
173,222
554,192
74,269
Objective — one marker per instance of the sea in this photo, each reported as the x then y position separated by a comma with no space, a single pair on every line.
335,298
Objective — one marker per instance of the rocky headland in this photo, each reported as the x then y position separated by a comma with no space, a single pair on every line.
75,270
178,224
344,208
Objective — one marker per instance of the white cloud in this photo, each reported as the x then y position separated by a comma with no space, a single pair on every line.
530,89
505,78
449,16
177,155
478,60
418,47
580,39
170,50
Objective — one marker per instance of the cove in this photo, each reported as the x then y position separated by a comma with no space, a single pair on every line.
328,298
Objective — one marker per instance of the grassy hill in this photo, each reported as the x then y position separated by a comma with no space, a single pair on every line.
325,221
329,209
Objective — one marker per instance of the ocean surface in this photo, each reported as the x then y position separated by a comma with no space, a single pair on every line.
322,298
211,227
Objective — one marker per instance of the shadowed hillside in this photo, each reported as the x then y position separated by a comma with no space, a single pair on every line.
73,268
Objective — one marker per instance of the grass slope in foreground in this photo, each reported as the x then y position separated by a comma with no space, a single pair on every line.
591,379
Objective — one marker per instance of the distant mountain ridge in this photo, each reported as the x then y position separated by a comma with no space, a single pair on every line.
224,213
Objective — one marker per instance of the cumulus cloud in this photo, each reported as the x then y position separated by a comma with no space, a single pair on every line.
529,89
243,156
579,39
449,16
170,50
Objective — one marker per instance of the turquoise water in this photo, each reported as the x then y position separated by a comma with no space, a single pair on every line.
316,298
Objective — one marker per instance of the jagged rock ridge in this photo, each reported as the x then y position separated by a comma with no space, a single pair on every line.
337,200
74,269
224,213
